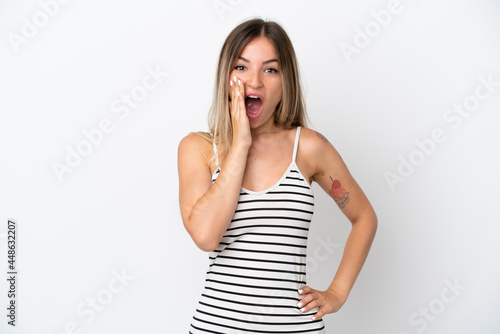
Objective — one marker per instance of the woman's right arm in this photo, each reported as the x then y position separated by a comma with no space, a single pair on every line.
206,208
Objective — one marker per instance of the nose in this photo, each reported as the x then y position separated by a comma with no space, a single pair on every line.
253,79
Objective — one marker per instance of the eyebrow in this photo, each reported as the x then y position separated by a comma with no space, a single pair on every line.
264,62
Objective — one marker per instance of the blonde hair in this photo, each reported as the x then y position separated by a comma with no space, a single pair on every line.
290,111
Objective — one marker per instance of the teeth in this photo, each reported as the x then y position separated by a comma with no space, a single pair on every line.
253,97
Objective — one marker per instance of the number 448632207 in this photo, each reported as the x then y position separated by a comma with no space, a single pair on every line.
11,244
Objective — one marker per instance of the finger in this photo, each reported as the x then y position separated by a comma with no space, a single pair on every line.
312,303
235,85
305,301
233,94
240,91
304,290
318,315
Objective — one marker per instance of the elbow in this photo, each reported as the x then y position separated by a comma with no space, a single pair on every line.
368,222
372,219
206,245
202,233
373,224
205,241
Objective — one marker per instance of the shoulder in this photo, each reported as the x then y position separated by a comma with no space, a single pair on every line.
313,141
199,140
316,152
195,145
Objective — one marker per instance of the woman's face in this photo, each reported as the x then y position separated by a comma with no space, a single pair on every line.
258,69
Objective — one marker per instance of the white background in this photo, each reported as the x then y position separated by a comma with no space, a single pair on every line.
117,210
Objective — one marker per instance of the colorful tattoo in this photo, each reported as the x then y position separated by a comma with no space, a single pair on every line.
321,137
338,193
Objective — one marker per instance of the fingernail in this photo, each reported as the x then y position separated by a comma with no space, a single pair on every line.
238,93
313,318
302,309
300,291
299,305
235,78
231,83
239,82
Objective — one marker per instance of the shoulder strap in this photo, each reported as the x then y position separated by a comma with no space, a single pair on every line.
216,156
297,135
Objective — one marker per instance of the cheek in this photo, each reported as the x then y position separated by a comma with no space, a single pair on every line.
278,89
232,74
278,93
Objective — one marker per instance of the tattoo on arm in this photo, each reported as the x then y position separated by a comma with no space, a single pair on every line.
321,137
338,193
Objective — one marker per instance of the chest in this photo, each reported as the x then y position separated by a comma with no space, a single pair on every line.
266,166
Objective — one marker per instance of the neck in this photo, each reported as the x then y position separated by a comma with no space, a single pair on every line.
264,129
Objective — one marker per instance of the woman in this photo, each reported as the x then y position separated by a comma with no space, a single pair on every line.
245,194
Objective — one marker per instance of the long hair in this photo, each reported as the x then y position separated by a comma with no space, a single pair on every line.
290,111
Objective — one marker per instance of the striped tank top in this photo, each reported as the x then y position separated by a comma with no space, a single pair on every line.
259,265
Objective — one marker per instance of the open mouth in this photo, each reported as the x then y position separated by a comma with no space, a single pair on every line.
253,105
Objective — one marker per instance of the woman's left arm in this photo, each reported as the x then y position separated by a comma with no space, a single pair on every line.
329,170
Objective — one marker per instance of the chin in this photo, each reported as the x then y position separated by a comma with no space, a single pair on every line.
260,120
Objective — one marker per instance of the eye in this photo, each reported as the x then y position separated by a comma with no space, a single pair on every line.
271,70
239,67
